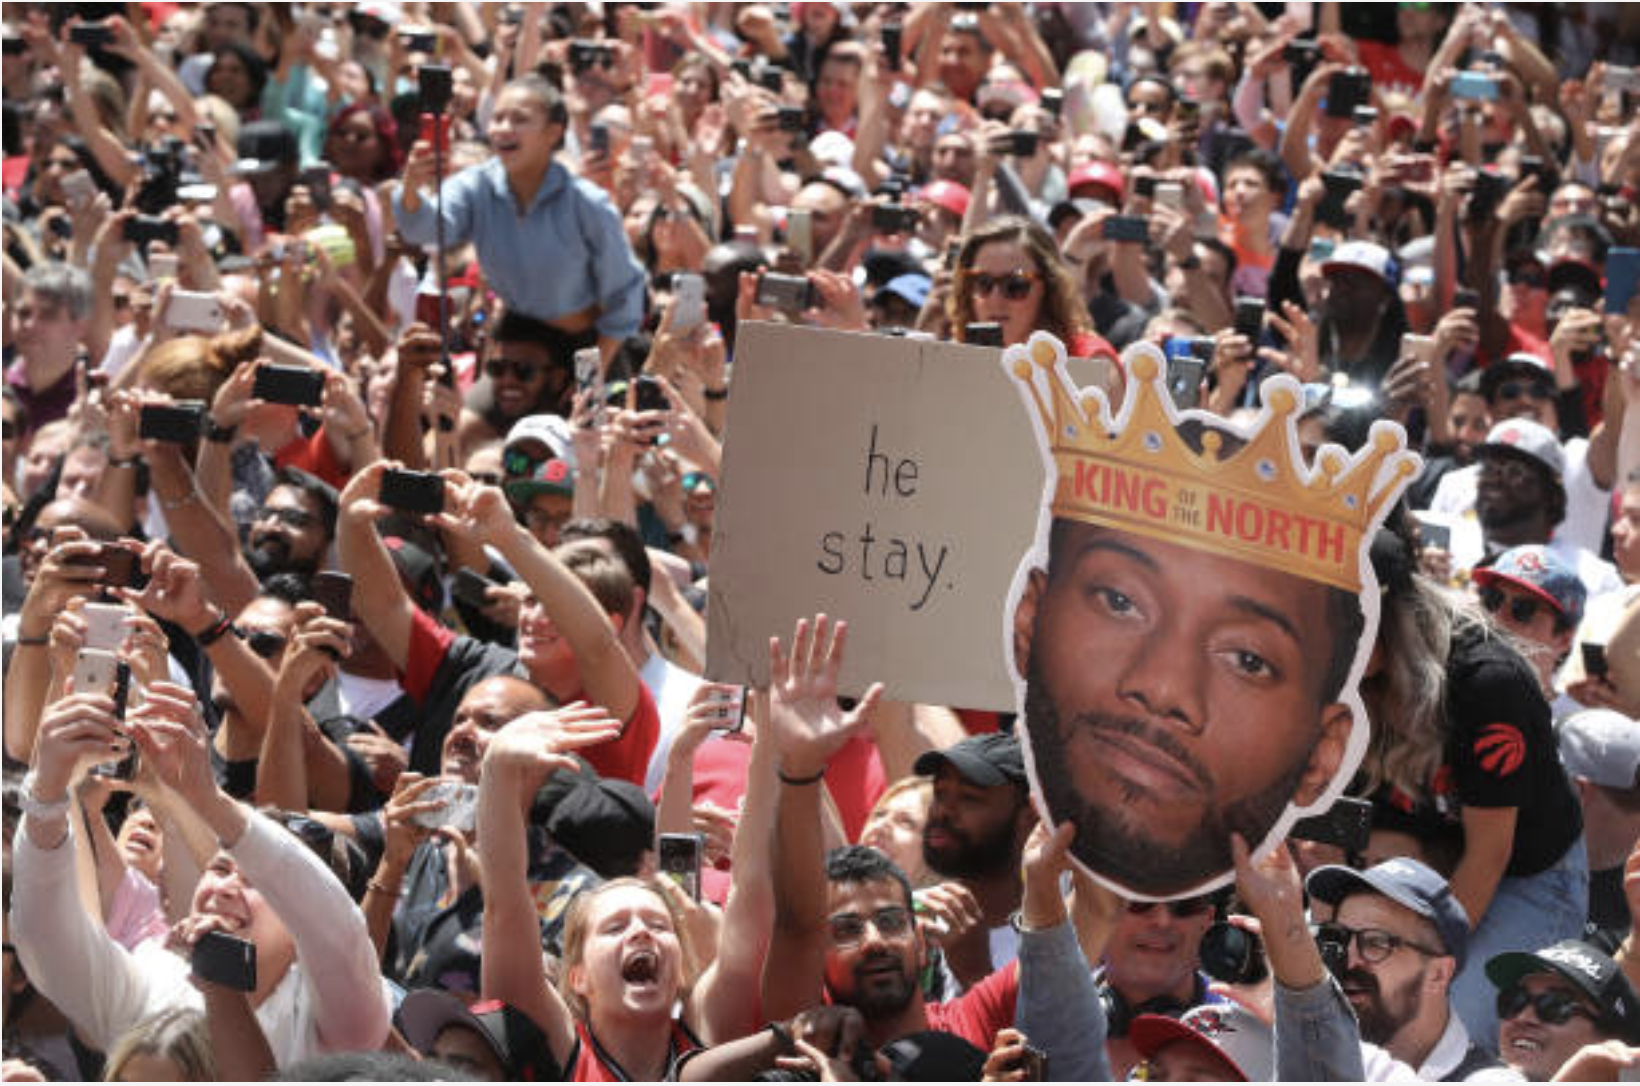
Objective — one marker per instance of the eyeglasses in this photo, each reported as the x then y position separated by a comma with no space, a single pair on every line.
847,929
697,480
497,368
1373,944
265,643
295,519
1514,390
1553,1008
1190,906
1015,286
1522,609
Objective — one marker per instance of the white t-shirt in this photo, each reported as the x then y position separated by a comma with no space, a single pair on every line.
1587,505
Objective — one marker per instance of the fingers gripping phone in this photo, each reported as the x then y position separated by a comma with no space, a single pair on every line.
225,960
679,859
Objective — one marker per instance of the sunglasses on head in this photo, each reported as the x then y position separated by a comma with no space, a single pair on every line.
1522,609
1553,1008
496,368
264,643
1190,906
1015,286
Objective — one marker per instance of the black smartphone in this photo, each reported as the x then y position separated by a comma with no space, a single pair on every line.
1184,380
1053,101
1348,824
175,423
119,565
13,47
598,138
126,768
317,180
893,35
225,960
334,592
471,588
1349,88
648,395
1035,1062
1134,228
145,228
1145,185
679,858
1466,298
1249,318
419,41
1301,53
788,293
791,118
298,386
771,79
982,334
412,491
435,87
1594,659
1020,142
90,35
894,219
1232,955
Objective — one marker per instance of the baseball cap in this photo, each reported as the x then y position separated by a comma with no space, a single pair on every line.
552,431
1603,747
987,760
1362,256
519,1046
1592,972
418,569
1097,173
1517,365
1533,568
1406,882
912,288
550,476
1572,272
605,823
1227,1030
950,195
1523,437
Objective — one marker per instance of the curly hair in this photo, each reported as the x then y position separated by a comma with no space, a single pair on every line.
194,367
1062,311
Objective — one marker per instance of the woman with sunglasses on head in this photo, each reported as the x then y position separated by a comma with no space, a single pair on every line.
1009,272
1463,745
551,245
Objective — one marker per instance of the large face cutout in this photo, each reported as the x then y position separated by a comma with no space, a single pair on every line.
1187,632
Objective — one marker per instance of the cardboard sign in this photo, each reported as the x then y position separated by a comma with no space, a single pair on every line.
889,482
1188,627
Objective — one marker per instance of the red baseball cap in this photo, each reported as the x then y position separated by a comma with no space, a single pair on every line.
1097,173
948,195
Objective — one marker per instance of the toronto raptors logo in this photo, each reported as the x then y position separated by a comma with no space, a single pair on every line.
1501,749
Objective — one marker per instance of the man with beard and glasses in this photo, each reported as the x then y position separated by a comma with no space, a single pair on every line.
1396,940
293,529
978,822
1558,1000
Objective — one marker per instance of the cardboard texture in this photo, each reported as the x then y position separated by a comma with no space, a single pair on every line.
889,482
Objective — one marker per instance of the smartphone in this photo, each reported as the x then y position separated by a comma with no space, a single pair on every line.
771,79
145,228
96,671
689,309
1184,378
679,858
598,138
788,293
791,118
119,565
412,491
1434,535
435,86
1168,194
649,396
1364,116
1475,86
105,625
953,250
983,334
316,178
334,592
174,423
458,806
589,368
1232,955
1349,88
297,386
471,588
800,233
90,35
194,311
163,266
1348,824
1249,318
894,219
1622,274
419,41
225,960
893,35
1133,228
1594,659
1035,1062
1466,298
1419,348
1020,142
1053,101
729,708
79,188
1301,53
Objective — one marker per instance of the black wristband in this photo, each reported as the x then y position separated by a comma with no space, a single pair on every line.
716,395
781,773
214,632
783,1037
219,434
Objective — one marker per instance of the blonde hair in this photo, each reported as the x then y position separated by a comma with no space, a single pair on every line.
913,783
178,1035
578,924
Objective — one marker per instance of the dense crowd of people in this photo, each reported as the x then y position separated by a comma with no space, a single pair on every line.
368,371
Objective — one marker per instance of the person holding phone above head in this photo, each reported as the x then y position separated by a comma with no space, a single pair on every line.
551,245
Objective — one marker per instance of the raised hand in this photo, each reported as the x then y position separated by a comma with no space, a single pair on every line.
804,719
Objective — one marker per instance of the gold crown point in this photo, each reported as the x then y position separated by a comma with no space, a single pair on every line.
1044,354
1144,367
1022,368
1282,401
1387,440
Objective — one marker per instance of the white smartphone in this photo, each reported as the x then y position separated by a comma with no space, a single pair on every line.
95,671
728,707
105,625
1170,194
163,266
194,311
458,810
79,188
800,234
690,309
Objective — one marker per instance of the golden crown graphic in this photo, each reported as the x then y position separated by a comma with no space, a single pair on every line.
1258,503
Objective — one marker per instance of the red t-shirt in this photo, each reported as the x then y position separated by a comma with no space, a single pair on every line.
315,456
982,1010
1388,69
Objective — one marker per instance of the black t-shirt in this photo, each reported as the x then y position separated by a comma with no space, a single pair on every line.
1500,752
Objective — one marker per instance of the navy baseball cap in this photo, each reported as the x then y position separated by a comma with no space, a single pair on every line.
1409,884
987,760
1593,973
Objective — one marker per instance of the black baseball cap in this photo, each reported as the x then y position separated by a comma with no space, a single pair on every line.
518,1044
1590,971
986,760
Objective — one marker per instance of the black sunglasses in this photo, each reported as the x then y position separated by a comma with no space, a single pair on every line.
1552,1008
1190,906
265,644
1015,286
1522,609
496,368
